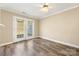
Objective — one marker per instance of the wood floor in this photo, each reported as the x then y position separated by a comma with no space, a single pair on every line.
38,47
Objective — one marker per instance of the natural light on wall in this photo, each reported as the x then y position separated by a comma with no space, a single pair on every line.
1,25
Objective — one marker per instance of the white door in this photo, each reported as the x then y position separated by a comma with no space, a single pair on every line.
30,28
23,29
18,29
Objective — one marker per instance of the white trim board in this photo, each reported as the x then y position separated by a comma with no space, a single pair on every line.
16,41
9,43
68,44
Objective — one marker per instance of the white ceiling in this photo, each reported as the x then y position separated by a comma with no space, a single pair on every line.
33,9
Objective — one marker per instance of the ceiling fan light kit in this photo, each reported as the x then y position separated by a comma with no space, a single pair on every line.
45,7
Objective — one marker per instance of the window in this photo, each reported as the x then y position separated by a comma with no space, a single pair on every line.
30,28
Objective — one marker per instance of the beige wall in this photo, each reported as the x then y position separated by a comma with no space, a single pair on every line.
7,32
36,28
0,26
62,27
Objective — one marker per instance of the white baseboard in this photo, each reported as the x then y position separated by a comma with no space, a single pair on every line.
9,43
14,42
6,44
68,44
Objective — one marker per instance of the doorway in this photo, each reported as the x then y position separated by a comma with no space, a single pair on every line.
18,28
30,28
23,28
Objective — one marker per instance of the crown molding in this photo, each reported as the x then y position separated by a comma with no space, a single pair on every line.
20,13
67,9
35,17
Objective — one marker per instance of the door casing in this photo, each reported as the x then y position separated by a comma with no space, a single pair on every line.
15,18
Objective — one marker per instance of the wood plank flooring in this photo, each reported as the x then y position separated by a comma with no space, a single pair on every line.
38,47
